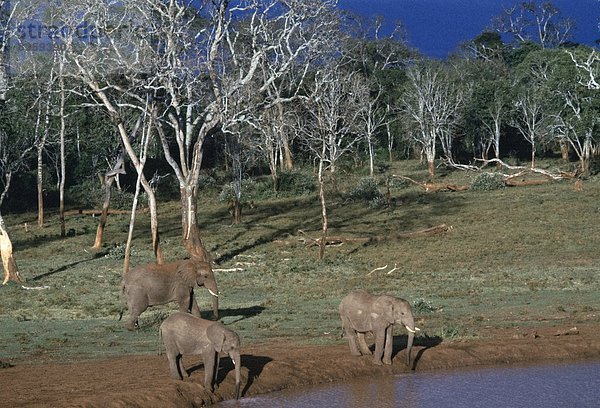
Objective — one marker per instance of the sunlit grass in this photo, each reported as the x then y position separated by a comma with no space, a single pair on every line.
521,256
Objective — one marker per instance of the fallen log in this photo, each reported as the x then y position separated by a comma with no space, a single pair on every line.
512,182
336,240
98,212
434,187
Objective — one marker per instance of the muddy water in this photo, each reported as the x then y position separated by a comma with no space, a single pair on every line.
540,386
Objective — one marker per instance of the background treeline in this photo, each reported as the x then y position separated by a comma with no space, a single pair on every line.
173,98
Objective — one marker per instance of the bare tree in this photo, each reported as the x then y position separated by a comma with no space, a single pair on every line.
116,168
533,21
575,123
372,117
588,68
228,55
146,136
431,104
43,77
276,120
15,149
496,112
63,160
330,127
532,118
16,142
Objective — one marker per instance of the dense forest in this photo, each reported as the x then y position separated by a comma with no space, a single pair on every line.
154,100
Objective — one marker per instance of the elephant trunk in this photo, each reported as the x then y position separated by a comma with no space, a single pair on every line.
237,362
409,344
211,286
215,306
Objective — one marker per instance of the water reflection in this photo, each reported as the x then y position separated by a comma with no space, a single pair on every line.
540,386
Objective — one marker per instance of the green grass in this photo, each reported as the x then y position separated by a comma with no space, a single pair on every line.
519,256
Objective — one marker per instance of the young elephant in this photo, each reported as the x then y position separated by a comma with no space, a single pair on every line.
363,312
150,285
183,333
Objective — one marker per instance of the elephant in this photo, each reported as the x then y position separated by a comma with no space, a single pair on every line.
183,333
363,312
153,284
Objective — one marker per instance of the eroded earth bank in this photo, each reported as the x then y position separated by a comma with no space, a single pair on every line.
143,381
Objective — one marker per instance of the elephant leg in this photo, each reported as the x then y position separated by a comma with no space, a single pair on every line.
389,345
216,370
379,339
194,309
135,310
209,369
362,344
174,365
183,372
351,336
185,303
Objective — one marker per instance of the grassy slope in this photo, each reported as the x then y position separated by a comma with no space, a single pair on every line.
523,256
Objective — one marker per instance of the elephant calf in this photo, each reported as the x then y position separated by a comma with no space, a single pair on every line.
362,312
152,284
183,333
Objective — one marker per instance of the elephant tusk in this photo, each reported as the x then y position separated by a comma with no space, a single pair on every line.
212,293
411,330
417,329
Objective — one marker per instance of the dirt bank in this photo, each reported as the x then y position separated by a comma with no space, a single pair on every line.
143,381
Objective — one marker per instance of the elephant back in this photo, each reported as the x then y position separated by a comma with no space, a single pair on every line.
150,272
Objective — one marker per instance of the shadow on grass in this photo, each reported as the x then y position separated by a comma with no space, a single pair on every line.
267,213
241,313
67,266
426,342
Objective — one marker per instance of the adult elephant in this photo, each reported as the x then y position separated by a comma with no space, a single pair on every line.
363,312
183,333
153,284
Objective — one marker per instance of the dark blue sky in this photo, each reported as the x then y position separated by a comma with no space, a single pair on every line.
436,27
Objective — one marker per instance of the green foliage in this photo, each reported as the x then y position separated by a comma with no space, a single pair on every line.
208,181
366,190
488,182
422,306
594,166
250,190
296,182
117,252
450,332
396,182
378,203
89,194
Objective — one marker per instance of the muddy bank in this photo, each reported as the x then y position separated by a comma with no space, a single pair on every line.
143,381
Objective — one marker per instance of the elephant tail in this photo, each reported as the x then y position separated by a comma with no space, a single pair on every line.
122,301
159,345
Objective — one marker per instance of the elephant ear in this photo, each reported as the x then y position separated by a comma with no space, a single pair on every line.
187,273
216,335
384,306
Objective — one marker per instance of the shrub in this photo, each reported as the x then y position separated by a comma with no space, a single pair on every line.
366,190
296,183
488,182
89,195
228,191
378,203
116,252
396,182
422,306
